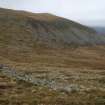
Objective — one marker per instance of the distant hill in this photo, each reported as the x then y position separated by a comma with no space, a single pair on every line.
24,29
100,29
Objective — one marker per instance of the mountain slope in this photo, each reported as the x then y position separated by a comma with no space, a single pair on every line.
28,39
30,30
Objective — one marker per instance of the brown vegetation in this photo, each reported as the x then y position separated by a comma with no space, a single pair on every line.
41,44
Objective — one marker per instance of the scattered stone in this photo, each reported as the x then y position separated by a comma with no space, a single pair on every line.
55,81
1,66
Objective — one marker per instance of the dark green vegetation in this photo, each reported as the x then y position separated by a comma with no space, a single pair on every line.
65,58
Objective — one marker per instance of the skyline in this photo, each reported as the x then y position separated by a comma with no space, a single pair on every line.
91,13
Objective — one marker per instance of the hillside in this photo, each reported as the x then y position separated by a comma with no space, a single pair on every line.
32,38
49,60
19,28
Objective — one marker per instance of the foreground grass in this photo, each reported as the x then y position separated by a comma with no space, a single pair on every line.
16,92
82,66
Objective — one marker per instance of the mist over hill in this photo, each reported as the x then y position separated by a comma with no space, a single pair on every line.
100,29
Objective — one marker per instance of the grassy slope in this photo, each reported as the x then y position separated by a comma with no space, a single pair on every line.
68,58
26,37
23,29
20,51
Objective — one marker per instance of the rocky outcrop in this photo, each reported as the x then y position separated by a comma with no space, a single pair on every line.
39,80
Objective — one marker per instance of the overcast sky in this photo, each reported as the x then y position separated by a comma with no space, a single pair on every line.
88,12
